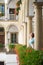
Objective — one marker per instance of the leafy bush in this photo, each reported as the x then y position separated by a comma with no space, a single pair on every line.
18,3
18,7
1,45
11,46
29,56
17,10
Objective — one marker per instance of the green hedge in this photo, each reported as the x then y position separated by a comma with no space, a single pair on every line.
29,56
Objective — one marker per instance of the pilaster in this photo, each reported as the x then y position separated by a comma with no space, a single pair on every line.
29,27
6,13
38,27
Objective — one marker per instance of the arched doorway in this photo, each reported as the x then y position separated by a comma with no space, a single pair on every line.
2,36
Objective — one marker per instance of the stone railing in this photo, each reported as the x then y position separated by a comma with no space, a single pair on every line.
10,17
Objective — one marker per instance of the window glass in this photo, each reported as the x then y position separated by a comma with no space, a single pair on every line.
13,38
12,11
2,10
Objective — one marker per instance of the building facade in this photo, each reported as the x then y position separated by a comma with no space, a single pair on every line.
17,21
16,28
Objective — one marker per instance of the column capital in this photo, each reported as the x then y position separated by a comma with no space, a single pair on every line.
38,3
30,17
37,7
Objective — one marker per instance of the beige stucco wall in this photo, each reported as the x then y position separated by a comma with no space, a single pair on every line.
22,31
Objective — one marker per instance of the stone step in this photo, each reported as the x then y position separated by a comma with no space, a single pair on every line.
9,59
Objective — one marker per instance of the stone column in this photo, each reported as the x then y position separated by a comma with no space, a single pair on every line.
6,12
27,7
5,38
29,27
6,41
23,10
30,24
42,31
38,27
25,33
24,24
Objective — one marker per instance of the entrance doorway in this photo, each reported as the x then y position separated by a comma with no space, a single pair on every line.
1,63
2,39
2,36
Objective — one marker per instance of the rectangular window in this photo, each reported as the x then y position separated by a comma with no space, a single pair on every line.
2,10
11,11
12,14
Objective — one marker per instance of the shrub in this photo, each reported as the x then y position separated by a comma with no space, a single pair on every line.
17,10
11,46
29,56
18,3
18,7
1,45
